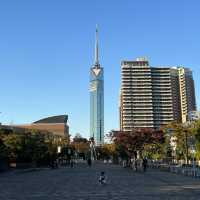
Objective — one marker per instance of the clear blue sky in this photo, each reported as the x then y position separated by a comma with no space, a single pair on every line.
47,49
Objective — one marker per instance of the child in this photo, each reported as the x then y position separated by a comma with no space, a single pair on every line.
102,178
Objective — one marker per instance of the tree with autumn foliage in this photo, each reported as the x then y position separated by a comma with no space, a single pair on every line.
138,141
106,152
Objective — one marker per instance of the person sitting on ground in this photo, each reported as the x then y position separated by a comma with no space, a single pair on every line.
102,178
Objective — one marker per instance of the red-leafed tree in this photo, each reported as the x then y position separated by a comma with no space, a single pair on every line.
137,140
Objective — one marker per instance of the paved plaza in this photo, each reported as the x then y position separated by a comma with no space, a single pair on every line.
80,183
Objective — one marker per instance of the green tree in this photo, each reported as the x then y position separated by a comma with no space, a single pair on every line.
183,138
3,150
196,132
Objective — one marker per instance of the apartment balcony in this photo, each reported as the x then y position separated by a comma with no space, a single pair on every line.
160,76
136,73
162,92
145,115
162,89
160,73
156,82
163,108
138,106
142,114
162,117
132,98
130,127
131,122
136,78
142,95
132,105
137,82
147,86
144,99
136,120
159,99
136,86
137,93
136,68
154,85
135,108
139,115
139,103
126,102
134,91
136,123
163,120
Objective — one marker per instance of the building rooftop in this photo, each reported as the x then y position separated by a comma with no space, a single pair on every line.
53,119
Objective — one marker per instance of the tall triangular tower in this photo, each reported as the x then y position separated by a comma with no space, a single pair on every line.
97,98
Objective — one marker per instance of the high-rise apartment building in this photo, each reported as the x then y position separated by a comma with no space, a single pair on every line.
187,92
97,99
154,96
176,97
161,96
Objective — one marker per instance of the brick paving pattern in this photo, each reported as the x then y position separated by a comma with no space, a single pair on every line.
81,183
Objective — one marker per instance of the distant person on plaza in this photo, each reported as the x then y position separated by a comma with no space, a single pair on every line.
89,161
71,162
133,163
144,164
136,165
102,178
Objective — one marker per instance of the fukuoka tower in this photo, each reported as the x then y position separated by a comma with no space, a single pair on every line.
97,98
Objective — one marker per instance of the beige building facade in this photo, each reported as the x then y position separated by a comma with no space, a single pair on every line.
152,97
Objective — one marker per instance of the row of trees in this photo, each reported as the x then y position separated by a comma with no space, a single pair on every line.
173,142
39,148
29,146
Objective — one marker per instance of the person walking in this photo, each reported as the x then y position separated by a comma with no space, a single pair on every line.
144,164
136,165
89,161
72,162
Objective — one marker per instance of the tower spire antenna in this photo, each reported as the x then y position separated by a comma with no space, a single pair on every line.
97,48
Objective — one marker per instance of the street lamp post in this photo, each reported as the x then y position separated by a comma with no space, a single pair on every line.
186,145
92,149
193,155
